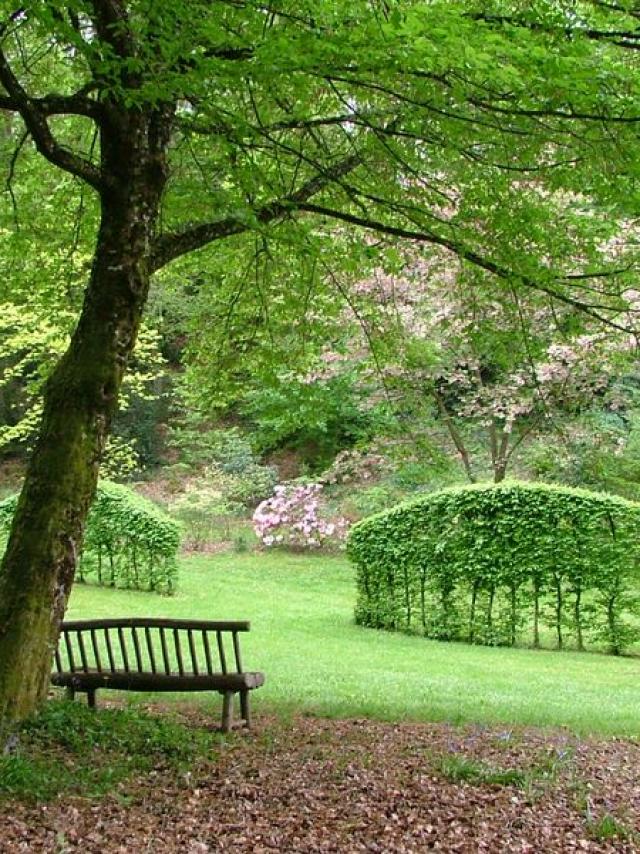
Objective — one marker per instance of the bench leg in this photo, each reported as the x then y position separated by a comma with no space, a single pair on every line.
227,711
70,692
244,708
91,698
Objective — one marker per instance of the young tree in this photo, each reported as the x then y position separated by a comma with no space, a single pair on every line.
194,122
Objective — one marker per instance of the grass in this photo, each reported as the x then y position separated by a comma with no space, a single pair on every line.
317,661
69,749
610,828
460,769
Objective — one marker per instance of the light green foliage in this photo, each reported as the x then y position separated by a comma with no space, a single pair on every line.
470,133
227,458
129,542
492,564
200,445
120,460
205,512
442,122
32,339
45,257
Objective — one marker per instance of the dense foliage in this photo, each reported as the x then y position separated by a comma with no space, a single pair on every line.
500,564
129,542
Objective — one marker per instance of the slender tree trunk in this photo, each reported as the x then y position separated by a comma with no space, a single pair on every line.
456,436
500,459
80,401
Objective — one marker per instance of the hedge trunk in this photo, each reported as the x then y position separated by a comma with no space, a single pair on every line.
80,400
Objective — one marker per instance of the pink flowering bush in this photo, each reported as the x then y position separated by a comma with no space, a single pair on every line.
293,517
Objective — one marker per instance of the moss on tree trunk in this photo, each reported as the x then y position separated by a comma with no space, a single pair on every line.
80,401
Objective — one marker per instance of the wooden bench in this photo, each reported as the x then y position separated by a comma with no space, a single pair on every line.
139,654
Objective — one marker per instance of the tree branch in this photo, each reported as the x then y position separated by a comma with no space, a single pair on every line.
77,104
168,247
622,38
10,176
34,113
425,236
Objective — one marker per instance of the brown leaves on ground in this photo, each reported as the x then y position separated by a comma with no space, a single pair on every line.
313,785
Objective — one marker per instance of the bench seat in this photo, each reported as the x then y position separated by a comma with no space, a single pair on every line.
120,679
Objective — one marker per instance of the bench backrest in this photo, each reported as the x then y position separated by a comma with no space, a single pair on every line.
147,645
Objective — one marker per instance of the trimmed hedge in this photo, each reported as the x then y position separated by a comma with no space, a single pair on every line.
129,542
502,564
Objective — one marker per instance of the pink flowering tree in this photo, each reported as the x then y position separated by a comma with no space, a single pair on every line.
502,366
487,368
295,517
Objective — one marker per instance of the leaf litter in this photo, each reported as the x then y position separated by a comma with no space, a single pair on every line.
317,785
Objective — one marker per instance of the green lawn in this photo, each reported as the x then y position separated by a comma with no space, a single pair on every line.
318,661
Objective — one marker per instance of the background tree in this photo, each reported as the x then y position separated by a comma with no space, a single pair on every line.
494,366
193,123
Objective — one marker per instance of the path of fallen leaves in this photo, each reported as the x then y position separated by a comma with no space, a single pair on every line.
315,785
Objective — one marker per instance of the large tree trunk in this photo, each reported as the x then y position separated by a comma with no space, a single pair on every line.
80,401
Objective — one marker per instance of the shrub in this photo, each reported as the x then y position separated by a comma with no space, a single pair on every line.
293,517
360,503
206,513
354,466
200,445
252,485
486,564
129,542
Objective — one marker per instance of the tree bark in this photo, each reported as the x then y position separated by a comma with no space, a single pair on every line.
81,396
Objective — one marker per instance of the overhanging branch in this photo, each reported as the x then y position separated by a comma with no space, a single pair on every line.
462,251
170,246
77,104
34,113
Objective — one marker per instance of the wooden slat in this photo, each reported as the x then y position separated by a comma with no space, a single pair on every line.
223,660
207,651
152,658
236,652
153,622
192,651
123,650
96,649
165,654
58,660
112,661
83,652
67,642
176,641
136,649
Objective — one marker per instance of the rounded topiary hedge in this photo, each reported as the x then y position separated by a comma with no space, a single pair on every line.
129,542
504,564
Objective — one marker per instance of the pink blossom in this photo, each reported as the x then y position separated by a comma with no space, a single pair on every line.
292,516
